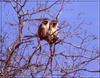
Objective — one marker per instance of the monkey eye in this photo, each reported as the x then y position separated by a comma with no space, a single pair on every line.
54,24
45,22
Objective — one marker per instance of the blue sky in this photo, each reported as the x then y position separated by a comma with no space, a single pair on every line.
73,13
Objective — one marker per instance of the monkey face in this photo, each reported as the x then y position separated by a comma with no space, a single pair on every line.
45,22
53,28
54,25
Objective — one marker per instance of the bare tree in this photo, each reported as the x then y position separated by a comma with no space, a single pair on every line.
69,57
